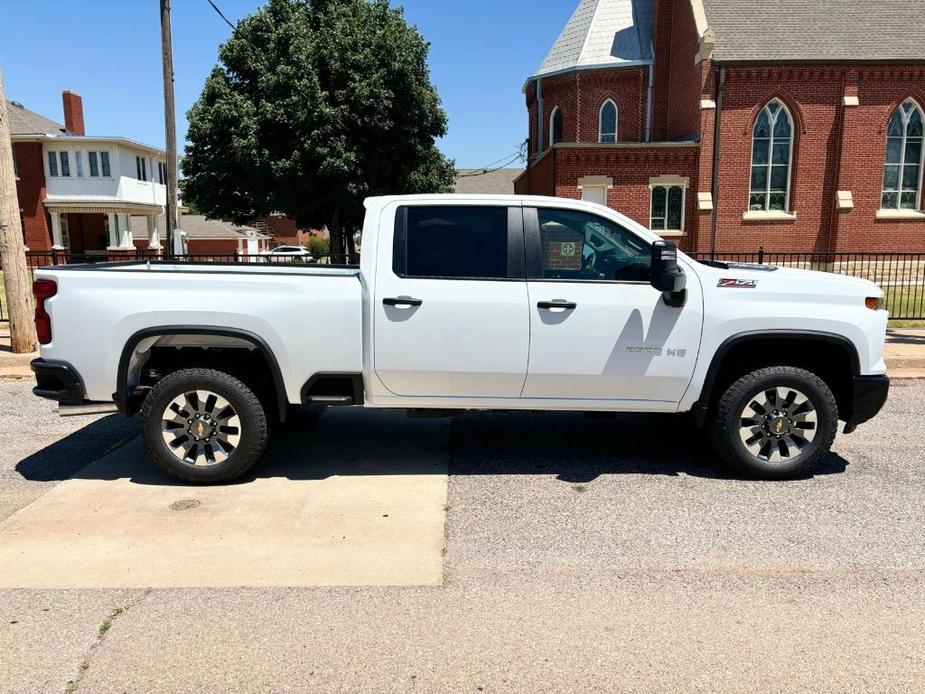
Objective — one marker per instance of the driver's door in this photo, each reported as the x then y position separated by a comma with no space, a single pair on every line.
598,330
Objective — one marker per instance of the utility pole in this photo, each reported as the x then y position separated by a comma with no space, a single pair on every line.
170,126
16,280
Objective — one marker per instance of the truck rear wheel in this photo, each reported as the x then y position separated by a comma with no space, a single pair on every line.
203,426
775,423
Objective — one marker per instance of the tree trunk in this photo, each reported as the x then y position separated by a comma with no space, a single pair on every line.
336,244
336,238
351,246
16,279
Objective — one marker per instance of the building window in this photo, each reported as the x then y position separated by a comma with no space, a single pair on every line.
772,151
22,226
58,164
555,126
141,168
104,164
79,163
902,174
162,173
667,211
595,194
607,130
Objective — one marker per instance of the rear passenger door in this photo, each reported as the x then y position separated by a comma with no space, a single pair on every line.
450,303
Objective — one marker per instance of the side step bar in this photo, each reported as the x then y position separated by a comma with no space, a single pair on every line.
330,400
87,408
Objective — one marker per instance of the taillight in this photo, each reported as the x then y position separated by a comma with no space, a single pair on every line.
43,290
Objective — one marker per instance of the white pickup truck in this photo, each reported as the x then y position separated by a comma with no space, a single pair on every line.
460,303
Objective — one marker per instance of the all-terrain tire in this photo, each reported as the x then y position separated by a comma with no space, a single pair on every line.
252,433
738,408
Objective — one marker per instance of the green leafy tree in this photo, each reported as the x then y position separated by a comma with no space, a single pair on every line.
316,105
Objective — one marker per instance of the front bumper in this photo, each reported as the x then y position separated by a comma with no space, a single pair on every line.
58,381
868,398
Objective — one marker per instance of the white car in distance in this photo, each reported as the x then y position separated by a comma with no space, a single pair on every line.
296,254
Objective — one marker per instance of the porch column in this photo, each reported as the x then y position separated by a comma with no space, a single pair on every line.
154,233
113,229
57,243
125,231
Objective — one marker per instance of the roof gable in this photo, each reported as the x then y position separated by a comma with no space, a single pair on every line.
602,33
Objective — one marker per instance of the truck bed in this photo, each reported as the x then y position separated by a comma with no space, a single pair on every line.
310,317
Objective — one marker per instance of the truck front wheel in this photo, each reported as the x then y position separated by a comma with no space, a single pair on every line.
775,423
203,426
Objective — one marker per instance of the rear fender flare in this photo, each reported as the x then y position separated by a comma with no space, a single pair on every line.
122,397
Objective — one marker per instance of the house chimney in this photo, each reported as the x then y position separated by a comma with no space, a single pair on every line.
73,113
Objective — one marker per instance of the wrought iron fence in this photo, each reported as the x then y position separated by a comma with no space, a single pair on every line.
901,275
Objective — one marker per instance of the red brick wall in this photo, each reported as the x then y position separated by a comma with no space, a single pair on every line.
662,18
286,231
30,189
539,179
686,79
879,91
631,168
814,97
212,246
580,96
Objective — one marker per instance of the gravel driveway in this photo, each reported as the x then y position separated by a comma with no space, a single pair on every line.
581,555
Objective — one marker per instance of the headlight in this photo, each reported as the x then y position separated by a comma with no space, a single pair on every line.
874,303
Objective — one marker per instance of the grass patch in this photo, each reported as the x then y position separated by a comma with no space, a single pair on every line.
907,301
107,623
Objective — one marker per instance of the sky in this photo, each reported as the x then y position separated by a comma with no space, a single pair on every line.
108,51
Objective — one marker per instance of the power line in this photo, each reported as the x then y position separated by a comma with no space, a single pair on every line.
234,27
222,15
490,164
488,170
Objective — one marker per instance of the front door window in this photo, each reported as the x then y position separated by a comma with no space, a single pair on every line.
580,246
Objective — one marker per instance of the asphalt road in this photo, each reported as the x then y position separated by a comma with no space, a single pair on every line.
581,555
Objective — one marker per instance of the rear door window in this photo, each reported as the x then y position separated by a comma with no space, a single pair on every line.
452,242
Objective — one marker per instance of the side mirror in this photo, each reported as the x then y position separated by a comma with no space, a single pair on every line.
667,276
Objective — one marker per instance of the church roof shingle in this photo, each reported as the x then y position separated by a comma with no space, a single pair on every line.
602,33
816,30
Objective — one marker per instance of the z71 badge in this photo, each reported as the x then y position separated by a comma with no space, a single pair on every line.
738,284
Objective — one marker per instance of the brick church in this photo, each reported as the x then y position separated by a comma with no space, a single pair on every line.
792,124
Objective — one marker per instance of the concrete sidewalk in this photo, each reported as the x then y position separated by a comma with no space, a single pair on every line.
905,352
905,355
